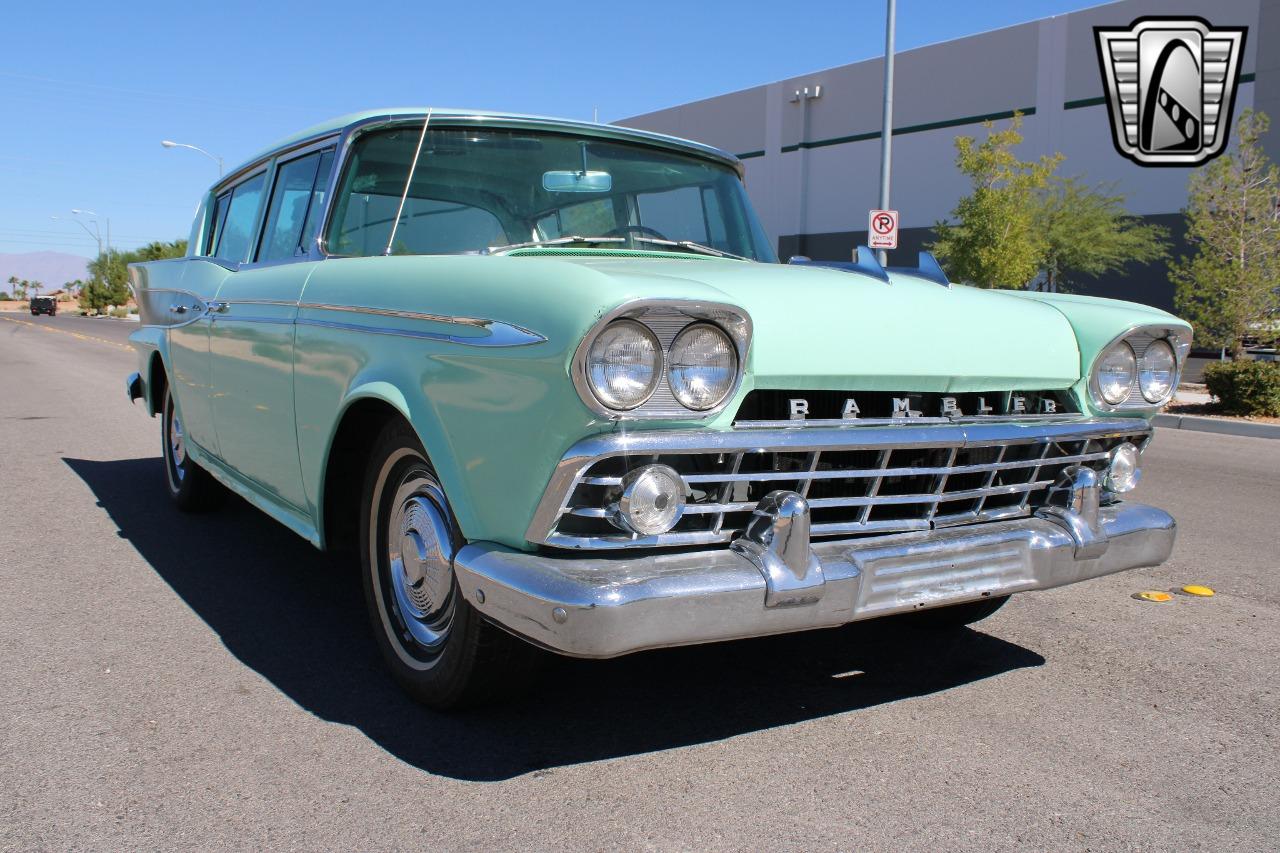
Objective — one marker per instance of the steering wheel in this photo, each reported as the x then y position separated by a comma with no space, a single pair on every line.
642,230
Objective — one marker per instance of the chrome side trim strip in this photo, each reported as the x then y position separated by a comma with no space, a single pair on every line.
219,319
500,334
406,315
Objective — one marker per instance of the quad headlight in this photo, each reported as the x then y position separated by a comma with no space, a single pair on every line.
702,366
662,359
1114,372
1139,370
1157,372
624,364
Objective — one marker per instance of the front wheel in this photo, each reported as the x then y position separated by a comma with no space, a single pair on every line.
190,487
437,646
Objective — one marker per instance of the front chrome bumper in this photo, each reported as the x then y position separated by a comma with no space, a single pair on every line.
611,605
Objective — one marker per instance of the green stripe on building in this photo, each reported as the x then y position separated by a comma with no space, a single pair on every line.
1100,100
913,128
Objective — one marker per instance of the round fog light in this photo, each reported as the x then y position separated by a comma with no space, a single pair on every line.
652,500
1123,473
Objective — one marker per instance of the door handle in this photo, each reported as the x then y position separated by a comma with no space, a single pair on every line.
219,307
177,309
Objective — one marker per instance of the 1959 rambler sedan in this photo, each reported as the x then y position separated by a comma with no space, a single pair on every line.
550,381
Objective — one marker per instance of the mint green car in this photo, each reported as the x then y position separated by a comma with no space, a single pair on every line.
549,380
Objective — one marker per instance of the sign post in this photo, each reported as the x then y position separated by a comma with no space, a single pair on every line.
882,231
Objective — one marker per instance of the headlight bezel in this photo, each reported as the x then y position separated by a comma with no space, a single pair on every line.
666,319
1139,338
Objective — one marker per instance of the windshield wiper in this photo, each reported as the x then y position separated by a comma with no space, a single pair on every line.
689,246
559,241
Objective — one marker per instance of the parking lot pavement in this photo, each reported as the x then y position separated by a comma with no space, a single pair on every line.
208,681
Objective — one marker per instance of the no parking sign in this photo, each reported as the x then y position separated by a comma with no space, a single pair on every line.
882,229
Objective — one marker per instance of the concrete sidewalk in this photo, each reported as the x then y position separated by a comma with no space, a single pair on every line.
1207,423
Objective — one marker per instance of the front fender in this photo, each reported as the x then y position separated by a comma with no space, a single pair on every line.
1097,322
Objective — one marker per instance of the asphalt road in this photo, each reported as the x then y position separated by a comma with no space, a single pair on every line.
208,681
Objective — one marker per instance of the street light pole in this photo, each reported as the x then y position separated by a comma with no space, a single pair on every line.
886,122
170,144
95,234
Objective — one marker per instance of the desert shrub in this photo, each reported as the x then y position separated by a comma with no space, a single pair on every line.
4,297
119,311
1245,387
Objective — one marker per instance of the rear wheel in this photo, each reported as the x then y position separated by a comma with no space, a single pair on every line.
190,487
437,646
957,615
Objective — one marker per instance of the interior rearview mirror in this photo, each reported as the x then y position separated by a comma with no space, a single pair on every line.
577,182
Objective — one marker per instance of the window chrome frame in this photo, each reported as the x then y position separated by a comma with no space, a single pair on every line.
267,164
278,162
443,119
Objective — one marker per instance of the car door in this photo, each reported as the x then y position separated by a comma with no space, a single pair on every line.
188,320
252,333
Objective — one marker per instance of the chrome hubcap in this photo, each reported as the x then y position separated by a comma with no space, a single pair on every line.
420,558
177,444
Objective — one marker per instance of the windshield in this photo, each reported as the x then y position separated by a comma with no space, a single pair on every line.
479,190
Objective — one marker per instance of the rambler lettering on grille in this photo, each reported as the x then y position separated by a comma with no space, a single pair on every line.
765,406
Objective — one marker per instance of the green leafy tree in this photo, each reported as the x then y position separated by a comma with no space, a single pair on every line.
994,240
158,250
1087,232
1230,286
110,283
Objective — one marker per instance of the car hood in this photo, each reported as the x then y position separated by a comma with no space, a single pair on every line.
818,328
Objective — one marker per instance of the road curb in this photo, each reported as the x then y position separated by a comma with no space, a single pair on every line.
1218,425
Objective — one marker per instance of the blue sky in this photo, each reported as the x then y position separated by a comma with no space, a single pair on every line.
88,90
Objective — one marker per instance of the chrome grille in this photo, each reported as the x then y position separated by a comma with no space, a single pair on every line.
858,481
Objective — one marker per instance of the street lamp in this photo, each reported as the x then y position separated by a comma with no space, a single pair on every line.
95,233
171,144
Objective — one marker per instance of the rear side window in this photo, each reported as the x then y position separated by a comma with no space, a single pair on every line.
292,200
219,216
235,236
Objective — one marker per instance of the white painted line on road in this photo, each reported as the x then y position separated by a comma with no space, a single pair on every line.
67,332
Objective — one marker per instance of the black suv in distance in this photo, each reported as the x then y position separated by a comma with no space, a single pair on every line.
44,305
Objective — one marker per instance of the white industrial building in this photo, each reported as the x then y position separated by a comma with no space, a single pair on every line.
812,163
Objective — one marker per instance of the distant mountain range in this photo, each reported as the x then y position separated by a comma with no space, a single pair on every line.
51,269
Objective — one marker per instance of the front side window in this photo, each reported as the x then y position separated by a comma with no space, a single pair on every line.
476,190
235,234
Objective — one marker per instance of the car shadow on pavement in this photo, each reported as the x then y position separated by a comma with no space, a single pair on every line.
296,616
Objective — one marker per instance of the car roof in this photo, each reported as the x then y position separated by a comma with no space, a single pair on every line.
455,116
